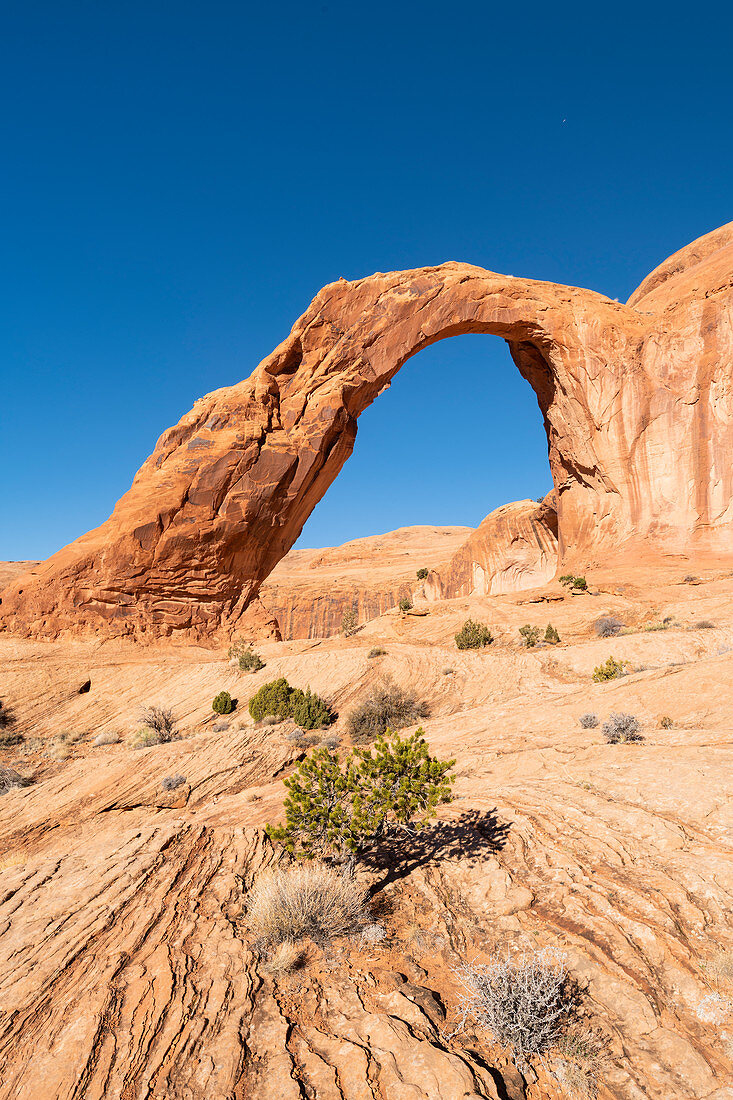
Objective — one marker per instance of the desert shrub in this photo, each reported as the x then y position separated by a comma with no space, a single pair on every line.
690,579
305,900
274,698
11,737
449,672
405,604
349,622
145,739
222,703
530,634
302,740
588,721
373,933
387,706
607,626
270,720
705,624
422,574
527,1002
578,584
107,738
331,742
7,718
376,651
621,727
611,670
473,635
220,727
249,661
171,782
159,720
10,779
551,635
311,712
340,808
666,722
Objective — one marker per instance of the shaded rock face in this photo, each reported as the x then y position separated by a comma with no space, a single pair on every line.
636,399
514,548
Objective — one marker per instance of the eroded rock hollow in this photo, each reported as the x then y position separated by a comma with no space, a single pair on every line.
637,405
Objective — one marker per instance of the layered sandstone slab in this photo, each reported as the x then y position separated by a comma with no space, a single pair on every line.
637,403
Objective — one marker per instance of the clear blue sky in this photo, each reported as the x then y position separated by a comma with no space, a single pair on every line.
178,180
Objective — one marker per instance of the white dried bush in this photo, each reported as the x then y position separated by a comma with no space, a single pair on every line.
621,727
588,721
373,933
607,627
107,738
305,900
11,779
526,1001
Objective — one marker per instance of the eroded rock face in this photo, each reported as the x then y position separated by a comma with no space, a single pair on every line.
637,404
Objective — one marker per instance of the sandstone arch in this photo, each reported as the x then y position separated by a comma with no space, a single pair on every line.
636,400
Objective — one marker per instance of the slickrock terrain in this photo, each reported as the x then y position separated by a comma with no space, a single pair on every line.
126,966
309,590
637,405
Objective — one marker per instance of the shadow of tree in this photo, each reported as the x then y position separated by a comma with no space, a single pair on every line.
469,837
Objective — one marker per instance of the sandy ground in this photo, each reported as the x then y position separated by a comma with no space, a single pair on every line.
124,967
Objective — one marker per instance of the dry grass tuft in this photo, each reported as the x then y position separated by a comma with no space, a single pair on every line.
305,901
286,957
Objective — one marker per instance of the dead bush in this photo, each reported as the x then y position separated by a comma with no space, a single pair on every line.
107,738
705,624
171,782
621,727
527,1001
588,721
308,900
376,651
159,720
387,706
10,779
607,627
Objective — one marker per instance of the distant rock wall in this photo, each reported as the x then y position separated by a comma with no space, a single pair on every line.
637,403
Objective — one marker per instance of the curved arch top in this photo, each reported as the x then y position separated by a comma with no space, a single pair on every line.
637,405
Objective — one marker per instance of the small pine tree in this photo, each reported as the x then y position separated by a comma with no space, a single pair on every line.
222,703
422,574
311,712
530,634
341,809
349,622
473,635
551,635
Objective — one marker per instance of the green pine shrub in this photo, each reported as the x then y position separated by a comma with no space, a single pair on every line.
422,574
339,809
473,635
531,635
311,712
222,703
551,635
610,670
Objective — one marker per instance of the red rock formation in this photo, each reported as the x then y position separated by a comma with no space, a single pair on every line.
309,590
637,403
514,548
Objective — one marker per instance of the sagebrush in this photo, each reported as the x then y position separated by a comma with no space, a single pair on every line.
588,721
621,727
250,661
527,1001
607,626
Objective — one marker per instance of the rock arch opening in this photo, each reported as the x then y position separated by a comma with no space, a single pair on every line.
636,401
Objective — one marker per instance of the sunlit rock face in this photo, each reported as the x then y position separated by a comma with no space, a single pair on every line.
637,404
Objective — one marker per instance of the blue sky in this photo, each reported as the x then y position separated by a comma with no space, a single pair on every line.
178,180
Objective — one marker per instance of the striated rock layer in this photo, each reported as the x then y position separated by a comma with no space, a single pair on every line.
636,399
309,590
